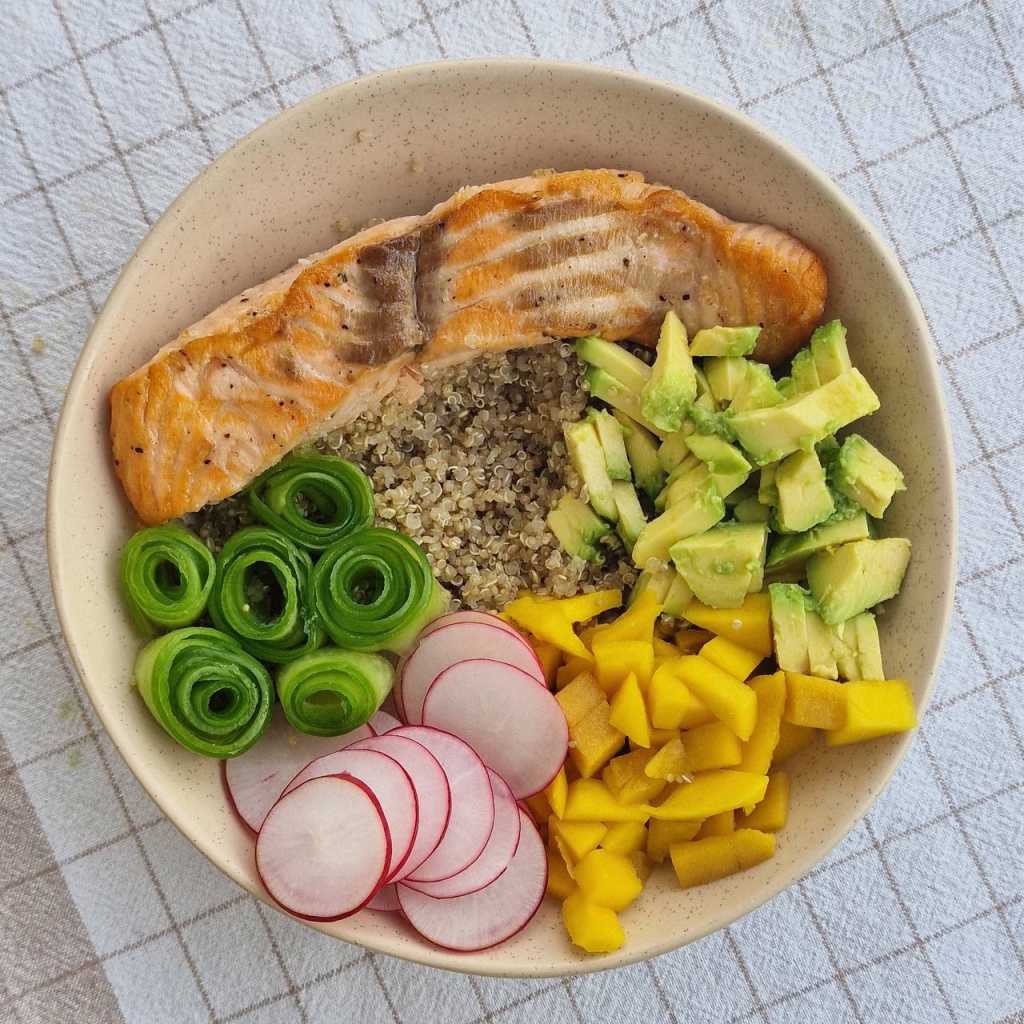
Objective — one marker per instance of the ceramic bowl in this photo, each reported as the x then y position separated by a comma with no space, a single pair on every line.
396,143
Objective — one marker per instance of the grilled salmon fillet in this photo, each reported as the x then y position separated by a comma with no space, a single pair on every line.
494,267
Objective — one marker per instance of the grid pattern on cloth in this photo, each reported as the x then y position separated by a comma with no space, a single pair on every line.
919,914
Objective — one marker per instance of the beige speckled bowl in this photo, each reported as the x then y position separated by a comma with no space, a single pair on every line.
394,144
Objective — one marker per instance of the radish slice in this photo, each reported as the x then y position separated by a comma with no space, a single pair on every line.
433,797
382,722
385,899
390,784
476,700
484,918
468,615
324,849
258,777
455,643
472,814
496,855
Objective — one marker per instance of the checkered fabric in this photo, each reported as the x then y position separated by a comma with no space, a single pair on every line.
914,106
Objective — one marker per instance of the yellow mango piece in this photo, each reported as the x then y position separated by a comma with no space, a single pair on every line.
550,658
707,860
575,839
711,746
570,669
626,779
810,700
629,712
659,737
543,620
560,882
584,607
717,825
670,702
594,929
624,837
594,740
614,660
662,834
792,739
663,650
669,762
730,657
771,702
592,800
579,698
690,641
555,793
538,807
771,813
636,622
608,879
729,700
749,625
873,709
711,793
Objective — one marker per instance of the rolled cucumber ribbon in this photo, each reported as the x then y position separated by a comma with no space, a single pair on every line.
167,573
262,597
374,591
312,499
332,691
205,691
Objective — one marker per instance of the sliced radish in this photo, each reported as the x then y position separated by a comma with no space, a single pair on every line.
472,813
390,784
433,797
484,918
518,729
496,855
258,777
324,849
452,644
468,615
383,722
385,899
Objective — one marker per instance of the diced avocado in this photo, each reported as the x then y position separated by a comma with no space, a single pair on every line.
577,528
770,434
750,510
748,489
657,581
603,385
674,448
869,650
724,376
786,387
724,341
631,516
821,656
720,456
828,347
794,549
853,577
757,390
767,492
642,451
678,597
728,482
673,384
804,497
844,649
718,565
613,443
712,422
827,449
704,390
684,468
804,373
588,457
790,604
683,486
865,475
698,513
614,359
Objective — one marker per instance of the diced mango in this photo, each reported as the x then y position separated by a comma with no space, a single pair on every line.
542,619
707,860
669,762
616,659
730,657
560,882
624,837
717,825
637,621
591,800
579,698
711,746
710,793
792,739
729,700
659,737
771,813
626,779
555,792
584,607
608,879
550,658
594,740
594,929
873,709
662,834
671,703
749,625
629,712
575,839
690,641
811,700
664,650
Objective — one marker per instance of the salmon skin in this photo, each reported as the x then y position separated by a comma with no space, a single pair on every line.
495,267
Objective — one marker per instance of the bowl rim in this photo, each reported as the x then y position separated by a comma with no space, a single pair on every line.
480,963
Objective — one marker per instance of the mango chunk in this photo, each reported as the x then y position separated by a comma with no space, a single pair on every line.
771,813
717,825
711,746
629,712
873,709
627,780
669,763
624,837
731,657
659,737
556,791
771,702
671,703
711,793
811,700
749,625
616,659
637,621
592,800
560,882
707,860
594,929
608,879
543,620
584,607
792,739
662,834
579,698
575,839
594,740
550,658
690,641
663,650
729,700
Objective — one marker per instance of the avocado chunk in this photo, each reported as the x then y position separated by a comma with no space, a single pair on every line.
682,484
588,457
795,548
699,512
724,341
657,581
821,658
869,650
768,435
862,473
678,598
724,376
829,351
750,510
720,564
614,359
577,528
804,373
790,604
804,497
674,448
707,419
757,390
673,383
631,516
613,444
603,385
767,492
720,456
853,577
844,649
642,452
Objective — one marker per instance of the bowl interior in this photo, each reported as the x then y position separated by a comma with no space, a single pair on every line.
395,144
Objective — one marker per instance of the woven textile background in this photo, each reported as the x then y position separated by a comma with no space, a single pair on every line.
107,109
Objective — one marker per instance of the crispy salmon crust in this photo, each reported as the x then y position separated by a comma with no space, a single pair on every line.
494,267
